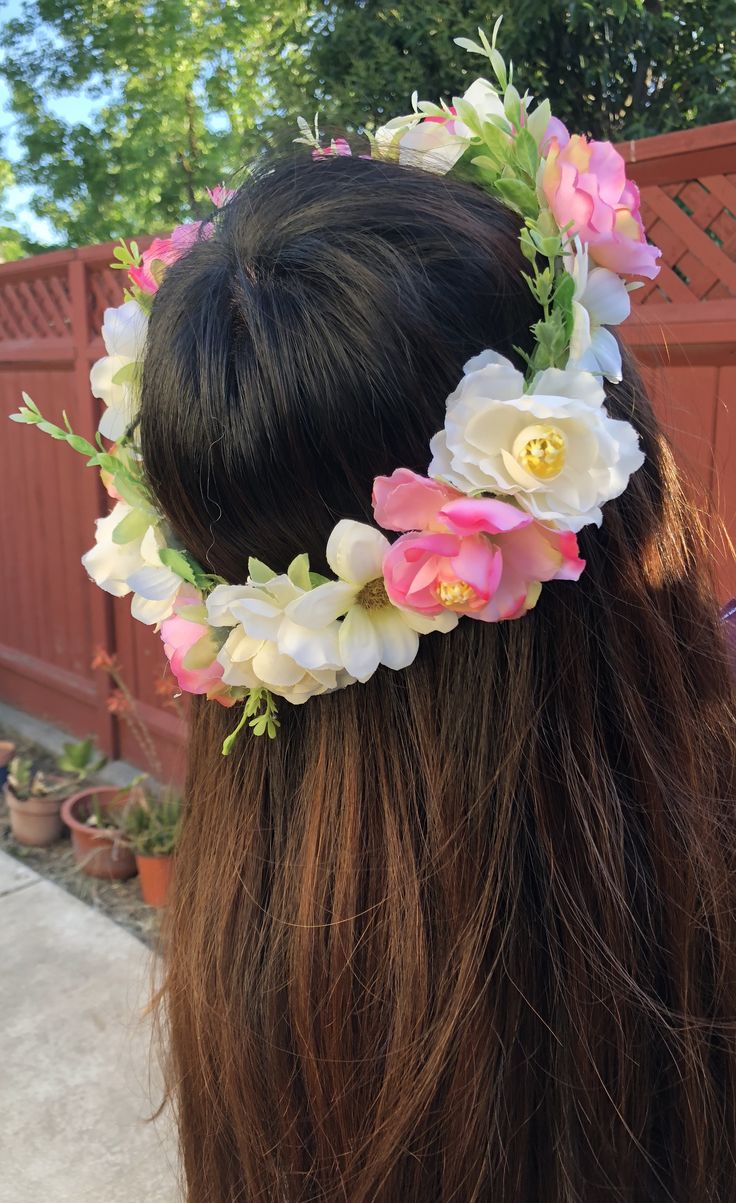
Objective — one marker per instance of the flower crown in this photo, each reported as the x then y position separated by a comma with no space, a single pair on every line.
524,461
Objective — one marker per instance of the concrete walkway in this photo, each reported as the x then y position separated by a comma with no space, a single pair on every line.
75,1080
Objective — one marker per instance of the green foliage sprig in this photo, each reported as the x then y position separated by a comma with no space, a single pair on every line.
128,478
152,825
259,713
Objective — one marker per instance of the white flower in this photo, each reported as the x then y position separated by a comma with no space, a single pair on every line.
601,299
264,644
554,450
109,564
435,145
113,378
132,564
483,97
373,631
440,143
155,587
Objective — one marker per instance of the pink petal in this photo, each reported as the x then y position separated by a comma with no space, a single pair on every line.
479,563
471,515
405,501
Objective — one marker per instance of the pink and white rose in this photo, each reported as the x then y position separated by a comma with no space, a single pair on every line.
191,649
585,185
475,556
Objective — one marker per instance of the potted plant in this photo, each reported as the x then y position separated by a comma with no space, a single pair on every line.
80,761
95,817
7,752
35,798
34,801
152,827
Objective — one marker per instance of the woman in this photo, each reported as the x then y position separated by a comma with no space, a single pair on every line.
463,932
464,928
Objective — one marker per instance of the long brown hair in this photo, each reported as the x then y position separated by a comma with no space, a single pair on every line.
467,932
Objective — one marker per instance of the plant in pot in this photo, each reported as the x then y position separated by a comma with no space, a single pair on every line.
95,817
7,752
80,761
34,802
152,827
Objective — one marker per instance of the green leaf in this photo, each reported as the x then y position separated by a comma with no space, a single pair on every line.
31,404
499,68
127,374
564,292
55,431
258,572
512,106
526,153
80,444
298,572
518,196
470,46
132,492
528,249
178,562
133,526
468,115
497,140
229,743
538,120
316,579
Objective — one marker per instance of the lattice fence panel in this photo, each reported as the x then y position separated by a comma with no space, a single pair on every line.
104,289
694,224
34,308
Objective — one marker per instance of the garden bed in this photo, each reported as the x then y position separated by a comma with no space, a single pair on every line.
119,900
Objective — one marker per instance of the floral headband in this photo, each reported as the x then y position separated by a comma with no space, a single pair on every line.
524,461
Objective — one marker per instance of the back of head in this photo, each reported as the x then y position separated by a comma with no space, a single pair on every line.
466,931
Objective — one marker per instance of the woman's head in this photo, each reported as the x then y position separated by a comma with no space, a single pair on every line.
465,931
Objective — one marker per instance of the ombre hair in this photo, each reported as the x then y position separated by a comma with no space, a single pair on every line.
465,933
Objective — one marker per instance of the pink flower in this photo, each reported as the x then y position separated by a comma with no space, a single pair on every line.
191,650
473,555
220,195
452,112
338,146
164,251
585,184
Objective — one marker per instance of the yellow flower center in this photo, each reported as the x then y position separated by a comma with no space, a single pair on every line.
541,450
455,593
373,596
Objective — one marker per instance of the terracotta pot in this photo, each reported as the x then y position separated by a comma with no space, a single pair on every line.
35,822
98,853
155,875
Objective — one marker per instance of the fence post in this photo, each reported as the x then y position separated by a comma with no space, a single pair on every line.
102,633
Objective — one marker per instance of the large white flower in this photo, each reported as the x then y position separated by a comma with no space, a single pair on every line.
601,299
114,377
266,648
125,559
372,631
554,450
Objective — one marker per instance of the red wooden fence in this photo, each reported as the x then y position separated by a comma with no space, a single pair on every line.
51,618
683,330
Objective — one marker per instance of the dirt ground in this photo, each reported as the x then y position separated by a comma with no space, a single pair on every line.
120,900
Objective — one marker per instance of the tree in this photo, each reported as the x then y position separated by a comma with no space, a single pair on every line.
187,91
613,70
14,244
182,88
